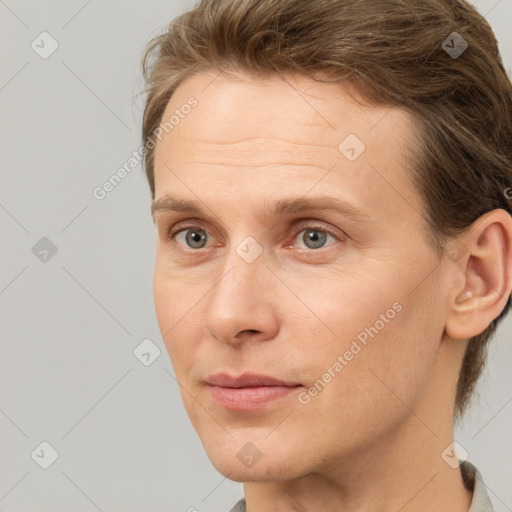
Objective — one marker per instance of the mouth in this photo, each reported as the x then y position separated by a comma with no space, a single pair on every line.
243,399
249,391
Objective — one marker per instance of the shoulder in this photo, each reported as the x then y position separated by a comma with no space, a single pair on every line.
239,506
474,482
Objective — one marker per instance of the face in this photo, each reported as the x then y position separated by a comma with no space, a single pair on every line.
303,260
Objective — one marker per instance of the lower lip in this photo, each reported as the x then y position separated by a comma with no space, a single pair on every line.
249,398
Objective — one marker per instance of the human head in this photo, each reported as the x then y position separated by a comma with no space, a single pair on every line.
392,51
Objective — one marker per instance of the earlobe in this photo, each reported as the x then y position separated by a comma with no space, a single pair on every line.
487,269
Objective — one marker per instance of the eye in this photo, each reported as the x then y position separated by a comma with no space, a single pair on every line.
195,237
315,237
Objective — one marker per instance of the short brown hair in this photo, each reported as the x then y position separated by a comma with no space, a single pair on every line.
397,52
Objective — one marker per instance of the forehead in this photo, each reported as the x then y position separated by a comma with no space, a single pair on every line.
291,109
291,125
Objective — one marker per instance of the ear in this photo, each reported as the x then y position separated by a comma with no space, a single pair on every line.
482,258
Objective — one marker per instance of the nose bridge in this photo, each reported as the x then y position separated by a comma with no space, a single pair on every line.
243,269
238,299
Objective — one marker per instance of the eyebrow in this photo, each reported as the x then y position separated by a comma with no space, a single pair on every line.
279,207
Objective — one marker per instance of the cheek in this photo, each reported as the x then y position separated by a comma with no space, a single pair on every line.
374,341
173,308
346,308
174,297
165,301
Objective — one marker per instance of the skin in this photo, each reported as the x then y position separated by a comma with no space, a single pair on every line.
372,439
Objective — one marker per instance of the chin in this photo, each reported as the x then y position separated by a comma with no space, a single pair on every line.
263,471
248,464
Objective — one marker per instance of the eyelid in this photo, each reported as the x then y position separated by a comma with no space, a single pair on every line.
175,230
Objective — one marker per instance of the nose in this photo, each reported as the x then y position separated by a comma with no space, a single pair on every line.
242,303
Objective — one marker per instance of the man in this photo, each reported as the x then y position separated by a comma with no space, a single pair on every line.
329,184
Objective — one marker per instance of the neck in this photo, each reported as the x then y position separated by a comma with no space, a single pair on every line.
394,476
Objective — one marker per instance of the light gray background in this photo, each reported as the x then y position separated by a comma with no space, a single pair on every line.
70,325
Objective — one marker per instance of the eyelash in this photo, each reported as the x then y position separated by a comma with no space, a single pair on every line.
175,231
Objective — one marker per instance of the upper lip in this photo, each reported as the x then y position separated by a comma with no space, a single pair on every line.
246,380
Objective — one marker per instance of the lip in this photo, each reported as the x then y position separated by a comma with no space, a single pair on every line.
245,399
246,380
248,391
